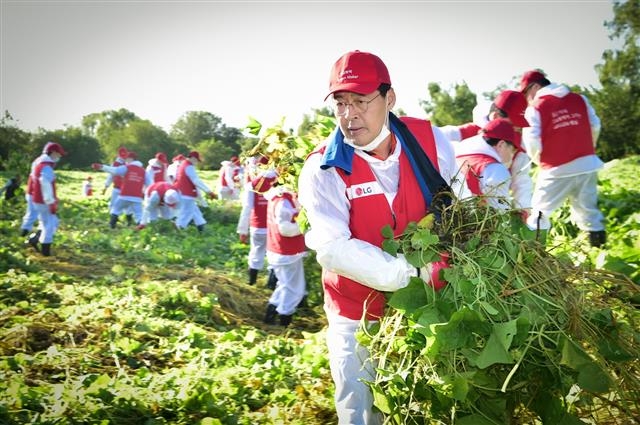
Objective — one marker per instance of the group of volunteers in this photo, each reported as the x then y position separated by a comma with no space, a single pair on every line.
377,169
374,170
159,190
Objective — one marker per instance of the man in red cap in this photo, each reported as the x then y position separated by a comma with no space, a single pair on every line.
131,192
252,223
510,105
485,160
561,140
374,170
229,178
172,169
188,183
115,181
157,168
43,195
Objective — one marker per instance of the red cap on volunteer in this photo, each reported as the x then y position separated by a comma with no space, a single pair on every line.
358,72
501,129
529,78
514,104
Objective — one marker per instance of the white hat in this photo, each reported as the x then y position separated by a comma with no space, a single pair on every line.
171,197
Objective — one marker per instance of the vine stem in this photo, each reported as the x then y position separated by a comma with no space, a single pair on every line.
515,368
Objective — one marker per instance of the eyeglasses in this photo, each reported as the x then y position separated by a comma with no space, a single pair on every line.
359,105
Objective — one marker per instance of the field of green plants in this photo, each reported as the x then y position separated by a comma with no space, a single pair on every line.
160,327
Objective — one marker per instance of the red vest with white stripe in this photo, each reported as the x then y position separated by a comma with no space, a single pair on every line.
133,181
276,242
160,187
474,165
183,183
35,182
258,219
368,214
565,129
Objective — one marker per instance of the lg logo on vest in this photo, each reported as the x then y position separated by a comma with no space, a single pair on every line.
364,189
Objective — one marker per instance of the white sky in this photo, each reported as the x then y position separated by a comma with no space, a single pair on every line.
62,60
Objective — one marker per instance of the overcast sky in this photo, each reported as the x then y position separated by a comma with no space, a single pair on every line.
62,60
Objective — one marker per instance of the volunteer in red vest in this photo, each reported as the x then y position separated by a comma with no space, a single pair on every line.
252,223
187,183
373,170
229,178
30,215
161,200
44,197
115,181
561,140
131,192
172,169
510,105
485,159
156,171
285,254
87,186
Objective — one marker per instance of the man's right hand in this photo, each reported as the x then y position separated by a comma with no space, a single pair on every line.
243,237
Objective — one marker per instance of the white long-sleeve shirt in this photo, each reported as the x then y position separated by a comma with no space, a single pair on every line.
322,193
496,179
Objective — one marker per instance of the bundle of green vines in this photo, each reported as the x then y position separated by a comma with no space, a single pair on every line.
517,336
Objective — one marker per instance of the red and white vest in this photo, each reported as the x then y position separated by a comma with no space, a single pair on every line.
183,183
158,172
260,185
133,181
161,187
276,242
347,297
565,129
36,187
474,165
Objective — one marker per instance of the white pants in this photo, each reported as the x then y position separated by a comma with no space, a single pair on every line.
124,206
350,366
48,222
30,215
257,250
291,286
188,211
581,191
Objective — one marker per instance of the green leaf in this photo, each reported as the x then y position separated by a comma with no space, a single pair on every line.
591,376
387,232
390,246
253,126
410,298
496,350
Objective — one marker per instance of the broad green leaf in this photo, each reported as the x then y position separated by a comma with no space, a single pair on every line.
496,350
410,298
387,232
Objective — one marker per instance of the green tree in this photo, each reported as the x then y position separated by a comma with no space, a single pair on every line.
443,108
618,102
81,148
195,127
213,152
14,147
145,139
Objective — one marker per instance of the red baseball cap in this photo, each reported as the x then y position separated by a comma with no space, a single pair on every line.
358,72
132,155
122,152
178,157
162,157
51,147
194,154
530,77
514,104
501,129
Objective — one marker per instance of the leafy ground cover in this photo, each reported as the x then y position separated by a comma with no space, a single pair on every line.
150,327
159,326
